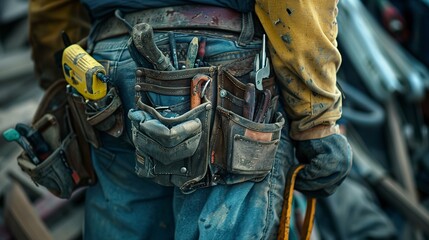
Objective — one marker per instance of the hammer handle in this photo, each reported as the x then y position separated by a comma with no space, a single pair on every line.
142,36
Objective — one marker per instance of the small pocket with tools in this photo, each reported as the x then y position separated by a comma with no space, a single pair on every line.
55,154
171,125
55,172
247,126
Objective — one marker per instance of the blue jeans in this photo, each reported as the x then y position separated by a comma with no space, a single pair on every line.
124,206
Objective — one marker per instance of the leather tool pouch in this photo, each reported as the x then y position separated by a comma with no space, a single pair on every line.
203,146
243,149
69,165
171,139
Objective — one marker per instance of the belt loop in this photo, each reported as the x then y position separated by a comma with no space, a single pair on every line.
247,29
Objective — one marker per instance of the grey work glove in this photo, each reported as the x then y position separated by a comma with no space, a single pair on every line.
328,162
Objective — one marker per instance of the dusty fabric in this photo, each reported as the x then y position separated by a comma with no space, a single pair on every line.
302,42
48,18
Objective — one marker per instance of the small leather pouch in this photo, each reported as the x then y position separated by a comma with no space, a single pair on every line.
68,166
106,114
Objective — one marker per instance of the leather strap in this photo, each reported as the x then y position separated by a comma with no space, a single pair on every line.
186,17
287,208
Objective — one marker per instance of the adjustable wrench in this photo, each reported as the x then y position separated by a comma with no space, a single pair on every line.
261,66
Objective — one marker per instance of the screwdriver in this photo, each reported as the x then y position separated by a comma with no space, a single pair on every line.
192,53
36,140
13,135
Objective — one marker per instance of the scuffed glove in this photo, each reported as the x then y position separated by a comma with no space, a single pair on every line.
328,161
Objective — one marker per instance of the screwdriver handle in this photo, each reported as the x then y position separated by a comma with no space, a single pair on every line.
12,134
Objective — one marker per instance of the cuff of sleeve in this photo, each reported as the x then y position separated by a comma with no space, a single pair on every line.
315,132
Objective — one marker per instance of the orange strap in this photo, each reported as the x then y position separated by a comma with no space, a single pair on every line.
287,208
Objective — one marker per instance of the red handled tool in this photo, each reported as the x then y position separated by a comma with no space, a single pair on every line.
197,88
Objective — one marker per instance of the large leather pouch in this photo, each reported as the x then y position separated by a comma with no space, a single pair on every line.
171,139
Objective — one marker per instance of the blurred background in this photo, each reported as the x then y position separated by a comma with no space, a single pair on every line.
385,80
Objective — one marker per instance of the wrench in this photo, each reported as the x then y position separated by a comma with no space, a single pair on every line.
262,66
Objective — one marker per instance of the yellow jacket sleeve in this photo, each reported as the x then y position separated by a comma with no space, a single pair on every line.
47,19
303,47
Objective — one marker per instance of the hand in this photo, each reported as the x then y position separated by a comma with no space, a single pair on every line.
328,162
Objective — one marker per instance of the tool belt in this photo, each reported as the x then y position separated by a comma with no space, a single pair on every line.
210,144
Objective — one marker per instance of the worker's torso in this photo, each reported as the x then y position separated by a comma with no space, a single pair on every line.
102,8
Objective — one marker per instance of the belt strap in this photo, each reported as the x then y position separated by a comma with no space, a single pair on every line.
180,18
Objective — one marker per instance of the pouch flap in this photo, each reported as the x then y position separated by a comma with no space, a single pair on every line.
170,137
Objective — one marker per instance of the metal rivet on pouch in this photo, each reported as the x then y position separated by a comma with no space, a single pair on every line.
139,73
183,170
215,178
208,106
138,87
222,93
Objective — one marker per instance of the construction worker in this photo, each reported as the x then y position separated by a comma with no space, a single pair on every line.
301,40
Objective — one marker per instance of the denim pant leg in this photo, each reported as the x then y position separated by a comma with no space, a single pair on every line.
122,205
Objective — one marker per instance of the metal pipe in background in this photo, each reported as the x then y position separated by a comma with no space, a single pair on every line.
360,46
411,73
399,157
385,186
373,114
383,64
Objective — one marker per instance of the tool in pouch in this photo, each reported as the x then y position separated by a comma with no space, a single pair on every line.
88,85
262,66
83,72
257,101
30,140
52,153
13,135
143,39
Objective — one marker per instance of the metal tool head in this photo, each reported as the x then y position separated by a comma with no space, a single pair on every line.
262,73
261,66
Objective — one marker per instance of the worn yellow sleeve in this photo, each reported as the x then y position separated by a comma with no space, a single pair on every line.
47,19
303,47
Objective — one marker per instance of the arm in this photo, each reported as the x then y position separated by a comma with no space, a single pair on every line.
48,18
305,59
